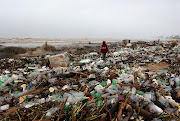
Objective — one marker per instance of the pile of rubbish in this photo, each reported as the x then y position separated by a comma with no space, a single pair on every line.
57,88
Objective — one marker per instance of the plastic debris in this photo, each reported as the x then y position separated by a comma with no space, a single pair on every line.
137,81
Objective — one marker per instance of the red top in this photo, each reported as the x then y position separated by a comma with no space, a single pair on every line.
104,48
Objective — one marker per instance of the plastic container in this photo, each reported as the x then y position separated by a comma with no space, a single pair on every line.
99,88
133,91
163,101
76,96
108,81
51,111
97,95
177,80
4,107
93,83
114,82
155,109
139,92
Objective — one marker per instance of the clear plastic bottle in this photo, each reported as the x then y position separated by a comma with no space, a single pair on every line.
177,80
163,101
155,109
51,111
4,107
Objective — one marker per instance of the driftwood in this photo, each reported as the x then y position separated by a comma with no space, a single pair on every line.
62,108
107,86
141,111
11,110
131,85
121,107
33,92
128,116
80,73
112,76
11,88
179,93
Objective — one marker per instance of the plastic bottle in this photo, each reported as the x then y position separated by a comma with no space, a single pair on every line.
65,87
99,88
4,107
52,111
140,92
108,81
1,82
114,82
76,96
148,96
97,95
133,91
51,98
134,98
93,82
155,109
42,100
105,95
171,101
66,107
28,105
155,82
99,103
177,79
112,96
111,91
163,101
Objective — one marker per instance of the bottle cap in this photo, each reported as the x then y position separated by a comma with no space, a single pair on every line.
51,89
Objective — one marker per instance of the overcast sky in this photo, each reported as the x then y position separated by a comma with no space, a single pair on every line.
89,18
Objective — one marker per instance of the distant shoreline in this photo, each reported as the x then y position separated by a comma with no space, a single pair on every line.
34,42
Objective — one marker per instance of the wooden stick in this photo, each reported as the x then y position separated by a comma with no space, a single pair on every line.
107,86
34,92
12,88
114,107
109,113
142,112
131,85
18,115
102,107
121,107
42,117
35,117
128,116
11,110
62,108
80,73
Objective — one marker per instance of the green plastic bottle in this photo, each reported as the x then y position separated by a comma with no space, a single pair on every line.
9,75
5,77
99,103
66,108
1,82
103,84
97,95
114,82
16,92
140,92
127,69
120,72
58,95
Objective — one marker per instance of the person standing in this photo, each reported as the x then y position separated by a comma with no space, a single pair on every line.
104,49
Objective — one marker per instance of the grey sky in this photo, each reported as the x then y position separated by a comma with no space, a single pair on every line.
89,18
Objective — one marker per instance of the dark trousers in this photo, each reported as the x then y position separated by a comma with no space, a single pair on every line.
104,56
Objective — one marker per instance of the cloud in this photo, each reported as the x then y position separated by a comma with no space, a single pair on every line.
89,18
